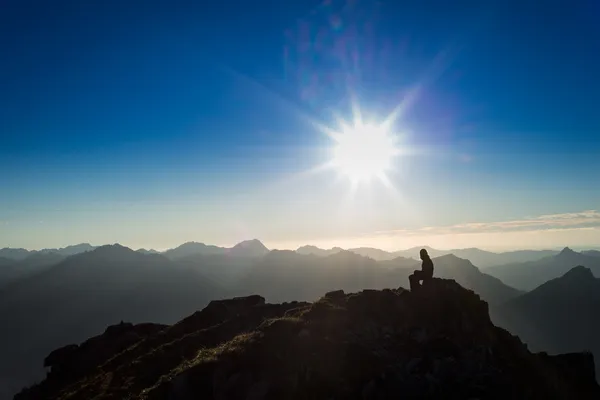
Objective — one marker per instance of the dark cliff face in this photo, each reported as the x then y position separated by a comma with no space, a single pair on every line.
435,343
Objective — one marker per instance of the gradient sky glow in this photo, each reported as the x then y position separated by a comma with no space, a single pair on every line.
159,122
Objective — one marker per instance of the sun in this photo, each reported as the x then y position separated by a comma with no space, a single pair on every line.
364,151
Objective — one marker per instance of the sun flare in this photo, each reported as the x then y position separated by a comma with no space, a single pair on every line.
362,152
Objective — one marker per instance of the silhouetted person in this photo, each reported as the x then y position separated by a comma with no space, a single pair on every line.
425,274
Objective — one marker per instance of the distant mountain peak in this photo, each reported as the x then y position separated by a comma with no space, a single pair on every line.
579,272
344,253
147,251
567,251
251,243
451,256
252,248
317,251
191,244
84,244
116,246
110,249
428,248
308,247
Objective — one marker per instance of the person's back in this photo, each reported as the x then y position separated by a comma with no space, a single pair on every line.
427,264
426,272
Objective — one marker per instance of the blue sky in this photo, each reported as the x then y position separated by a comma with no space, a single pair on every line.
154,123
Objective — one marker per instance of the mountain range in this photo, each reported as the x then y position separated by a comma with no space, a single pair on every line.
12,270
284,275
529,275
19,263
481,258
559,316
80,294
64,297
21,254
246,248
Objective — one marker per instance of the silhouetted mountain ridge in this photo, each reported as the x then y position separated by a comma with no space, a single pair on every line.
71,250
249,248
528,276
191,248
79,296
481,258
284,275
306,250
148,251
560,315
593,253
13,254
579,273
72,298
246,248
12,271
21,254
370,345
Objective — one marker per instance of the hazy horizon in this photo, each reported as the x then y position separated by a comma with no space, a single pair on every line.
552,232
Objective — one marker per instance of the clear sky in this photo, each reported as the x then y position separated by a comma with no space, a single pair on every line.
152,123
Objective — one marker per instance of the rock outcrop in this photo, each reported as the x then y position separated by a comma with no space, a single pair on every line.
438,342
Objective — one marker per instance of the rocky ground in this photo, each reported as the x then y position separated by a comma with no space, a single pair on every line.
438,342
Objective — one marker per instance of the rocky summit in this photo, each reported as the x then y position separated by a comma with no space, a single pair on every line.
437,342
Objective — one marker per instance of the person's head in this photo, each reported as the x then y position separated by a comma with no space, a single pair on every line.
423,254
